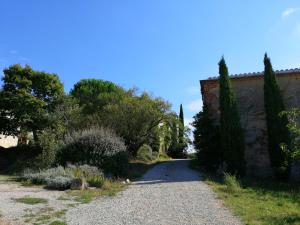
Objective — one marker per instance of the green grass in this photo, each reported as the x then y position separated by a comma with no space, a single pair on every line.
31,201
60,213
58,222
109,188
260,202
8,179
64,198
45,216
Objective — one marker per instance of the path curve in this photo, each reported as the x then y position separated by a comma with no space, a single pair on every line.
168,194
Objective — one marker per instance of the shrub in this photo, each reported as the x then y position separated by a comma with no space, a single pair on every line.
60,178
162,156
49,143
91,174
43,176
59,182
97,147
155,155
145,153
231,182
96,181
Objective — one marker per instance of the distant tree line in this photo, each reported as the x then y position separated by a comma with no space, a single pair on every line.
34,102
220,144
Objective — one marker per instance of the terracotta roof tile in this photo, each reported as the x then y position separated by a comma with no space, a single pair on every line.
295,70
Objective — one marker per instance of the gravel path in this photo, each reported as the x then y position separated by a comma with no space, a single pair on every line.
168,194
15,213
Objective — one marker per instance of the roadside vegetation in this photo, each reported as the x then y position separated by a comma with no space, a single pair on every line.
259,202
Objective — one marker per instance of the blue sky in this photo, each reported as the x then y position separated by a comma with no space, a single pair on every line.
162,46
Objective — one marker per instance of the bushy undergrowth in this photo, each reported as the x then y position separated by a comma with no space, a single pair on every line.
60,178
97,147
59,182
145,153
231,183
16,159
91,174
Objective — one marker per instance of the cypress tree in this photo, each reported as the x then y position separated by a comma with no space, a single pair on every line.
232,137
181,125
276,125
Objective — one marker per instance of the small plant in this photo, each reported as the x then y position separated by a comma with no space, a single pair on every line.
91,174
96,181
231,183
109,188
58,222
31,201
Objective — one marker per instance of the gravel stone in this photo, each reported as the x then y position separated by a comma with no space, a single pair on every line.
14,213
168,194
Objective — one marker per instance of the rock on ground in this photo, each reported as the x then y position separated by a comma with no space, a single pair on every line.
168,194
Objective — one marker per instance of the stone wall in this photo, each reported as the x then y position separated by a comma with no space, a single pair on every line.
250,99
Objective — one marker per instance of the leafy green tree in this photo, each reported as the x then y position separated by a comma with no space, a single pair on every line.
135,118
276,126
94,94
27,97
292,150
206,140
173,125
174,128
232,135
65,117
165,137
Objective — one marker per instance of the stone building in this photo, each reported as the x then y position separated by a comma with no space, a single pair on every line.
249,92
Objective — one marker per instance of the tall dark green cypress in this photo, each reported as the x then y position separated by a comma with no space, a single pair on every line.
181,125
232,137
276,125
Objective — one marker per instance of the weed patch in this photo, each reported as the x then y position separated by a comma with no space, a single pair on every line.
31,201
109,188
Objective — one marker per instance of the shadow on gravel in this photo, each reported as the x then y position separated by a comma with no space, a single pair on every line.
170,172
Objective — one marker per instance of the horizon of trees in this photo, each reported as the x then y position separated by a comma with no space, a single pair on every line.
35,102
